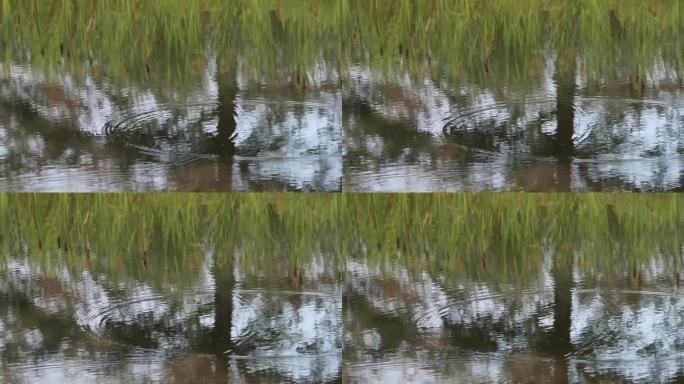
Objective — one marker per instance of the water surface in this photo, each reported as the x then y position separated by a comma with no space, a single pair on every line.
440,95
556,326
546,96
421,288
63,134
222,325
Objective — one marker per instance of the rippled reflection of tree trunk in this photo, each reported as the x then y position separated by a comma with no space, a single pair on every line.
223,141
227,122
560,344
223,312
565,116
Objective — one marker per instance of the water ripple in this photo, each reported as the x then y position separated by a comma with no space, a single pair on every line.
606,129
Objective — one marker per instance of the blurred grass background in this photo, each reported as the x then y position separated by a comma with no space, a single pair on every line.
494,40
490,236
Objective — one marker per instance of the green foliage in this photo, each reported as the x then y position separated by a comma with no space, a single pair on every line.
497,236
490,41
167,39
506,40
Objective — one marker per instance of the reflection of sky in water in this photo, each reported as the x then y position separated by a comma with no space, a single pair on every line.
615,329
641,340
302,141
307,344
622,142
295,319
313,318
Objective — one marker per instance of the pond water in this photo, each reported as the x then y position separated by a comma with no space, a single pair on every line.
558,326
86,135
223,325
413,136
488,289
442,95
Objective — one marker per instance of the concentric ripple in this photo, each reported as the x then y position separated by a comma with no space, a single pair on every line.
602,129
264,324
629,332
254,129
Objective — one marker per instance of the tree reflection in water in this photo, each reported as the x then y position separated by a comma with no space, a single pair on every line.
130,331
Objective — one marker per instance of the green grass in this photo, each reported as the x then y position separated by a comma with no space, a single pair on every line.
168,39
494,237
505,41
493,42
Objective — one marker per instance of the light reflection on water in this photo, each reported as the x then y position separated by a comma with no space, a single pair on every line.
409,134
222,327
559,322
61,133
561,326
